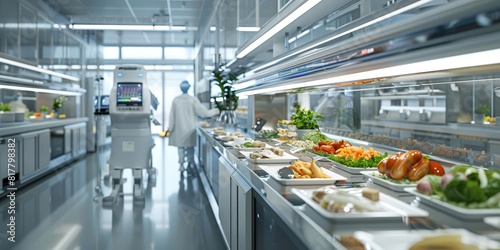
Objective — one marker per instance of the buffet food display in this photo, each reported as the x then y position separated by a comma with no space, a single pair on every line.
468,192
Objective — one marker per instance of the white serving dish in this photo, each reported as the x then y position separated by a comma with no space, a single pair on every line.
272,170
460,212
286,158
492,221
351,170
404,239
393,208
232,144
373,175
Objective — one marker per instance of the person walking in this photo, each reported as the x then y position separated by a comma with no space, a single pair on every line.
182,126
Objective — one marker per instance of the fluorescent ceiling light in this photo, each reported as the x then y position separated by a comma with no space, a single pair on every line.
18,79
37,69
39,90
303,33
178,28
277,28
248,29
231,62
207,67
374,21
158,67
107,67
454,62
291,40
110,27
213,28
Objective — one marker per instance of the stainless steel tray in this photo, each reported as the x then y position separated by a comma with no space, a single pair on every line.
463,213
286,158
351,170
393,208
404,239
272,170
373,175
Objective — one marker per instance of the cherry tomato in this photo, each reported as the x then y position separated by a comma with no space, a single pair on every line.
436,169
316,148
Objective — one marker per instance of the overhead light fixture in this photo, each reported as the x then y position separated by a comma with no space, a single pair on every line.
293,39
207,67
231,62
133,27
248,29
18,79
303,33
476,59
277,28
112,27
37,69
158,67
107,67
39,90
374,21
213,28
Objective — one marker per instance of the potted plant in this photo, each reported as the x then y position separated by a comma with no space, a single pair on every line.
481,111
58,104
5,113
305,120
227,102
44,109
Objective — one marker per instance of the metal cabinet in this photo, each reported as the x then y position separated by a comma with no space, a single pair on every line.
43,149
28,153
77,136
35,151
235,207
4,151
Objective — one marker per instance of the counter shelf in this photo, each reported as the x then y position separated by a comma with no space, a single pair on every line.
306,223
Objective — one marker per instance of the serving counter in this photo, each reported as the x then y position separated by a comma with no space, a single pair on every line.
35,148
255,211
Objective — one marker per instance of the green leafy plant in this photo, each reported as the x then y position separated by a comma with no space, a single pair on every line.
59,103
44,108
483,109
5,107
228,100
306,118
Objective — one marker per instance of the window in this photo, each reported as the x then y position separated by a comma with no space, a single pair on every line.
142,53
111,53
179,53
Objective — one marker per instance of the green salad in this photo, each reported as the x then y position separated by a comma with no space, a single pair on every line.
464,186
358,163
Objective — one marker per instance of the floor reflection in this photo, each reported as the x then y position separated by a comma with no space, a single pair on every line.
65,211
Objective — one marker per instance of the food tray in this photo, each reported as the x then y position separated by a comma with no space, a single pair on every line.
385,183
383,240
272,170
460,212
492,221
393,207
351,170
231,144
286,158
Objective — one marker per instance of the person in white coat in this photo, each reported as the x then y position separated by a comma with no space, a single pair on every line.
182,125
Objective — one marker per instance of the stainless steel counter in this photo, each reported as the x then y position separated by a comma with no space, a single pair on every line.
313,230
27,126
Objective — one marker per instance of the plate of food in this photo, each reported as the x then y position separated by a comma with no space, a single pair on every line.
302,173
384,181
353,159
492,221
465,192
272,155
350,204
249,145
425,239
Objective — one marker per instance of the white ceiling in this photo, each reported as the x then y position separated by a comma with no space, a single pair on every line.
192,13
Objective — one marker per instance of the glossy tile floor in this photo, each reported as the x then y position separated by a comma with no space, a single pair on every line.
64,211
